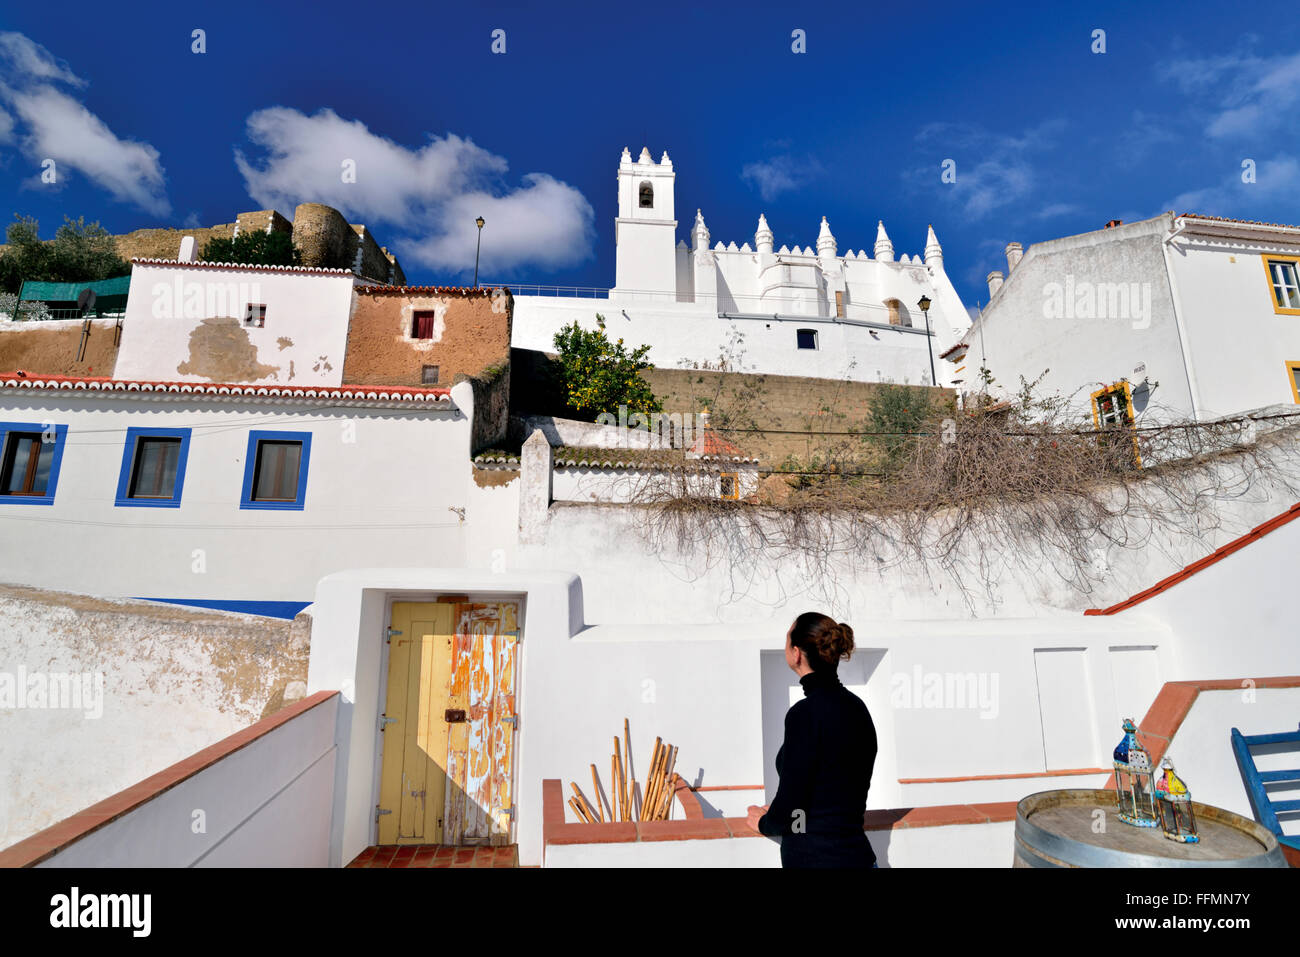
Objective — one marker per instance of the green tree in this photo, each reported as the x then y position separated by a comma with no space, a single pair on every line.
79,252
256,249
900,412
598,375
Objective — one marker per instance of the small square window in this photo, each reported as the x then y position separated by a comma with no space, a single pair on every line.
275,470
29,462
730,486
422,325
255,314
1284,281
806,338
429,375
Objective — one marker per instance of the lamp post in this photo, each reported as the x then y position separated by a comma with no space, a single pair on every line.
479,223
924,303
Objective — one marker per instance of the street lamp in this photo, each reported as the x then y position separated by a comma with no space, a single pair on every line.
479,223
924,303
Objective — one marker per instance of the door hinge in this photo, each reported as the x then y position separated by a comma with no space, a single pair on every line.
385,720
388,634
380,811
511,811
513,720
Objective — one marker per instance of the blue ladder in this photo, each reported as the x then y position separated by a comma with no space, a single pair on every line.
1266,810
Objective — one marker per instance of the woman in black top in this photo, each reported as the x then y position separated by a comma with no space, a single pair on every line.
826,759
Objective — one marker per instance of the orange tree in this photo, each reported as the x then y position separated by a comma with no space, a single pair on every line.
598,375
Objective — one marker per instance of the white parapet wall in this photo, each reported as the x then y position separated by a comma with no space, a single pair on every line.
264,802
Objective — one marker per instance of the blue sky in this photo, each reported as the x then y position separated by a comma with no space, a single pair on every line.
1048,137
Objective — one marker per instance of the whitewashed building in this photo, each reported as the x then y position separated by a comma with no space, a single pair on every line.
812,311
1174,317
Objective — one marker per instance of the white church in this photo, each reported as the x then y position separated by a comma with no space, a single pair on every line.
813,311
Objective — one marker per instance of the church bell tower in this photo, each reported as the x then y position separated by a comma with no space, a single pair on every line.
644,257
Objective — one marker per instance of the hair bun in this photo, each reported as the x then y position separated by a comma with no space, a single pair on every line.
845,642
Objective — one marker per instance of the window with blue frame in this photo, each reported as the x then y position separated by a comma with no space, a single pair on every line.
275,470
153,467
30,456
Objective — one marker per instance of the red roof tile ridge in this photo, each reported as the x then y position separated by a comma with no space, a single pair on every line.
1220,553
106,383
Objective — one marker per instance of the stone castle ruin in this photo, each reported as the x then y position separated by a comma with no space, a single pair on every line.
321,233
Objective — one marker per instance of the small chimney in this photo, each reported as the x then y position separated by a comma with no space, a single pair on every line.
1113,223
1014,253
995,282
187,253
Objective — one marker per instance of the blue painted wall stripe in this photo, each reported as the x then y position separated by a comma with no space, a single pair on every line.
270,609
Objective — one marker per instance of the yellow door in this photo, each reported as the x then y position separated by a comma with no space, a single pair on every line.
481,748
449,724
413,779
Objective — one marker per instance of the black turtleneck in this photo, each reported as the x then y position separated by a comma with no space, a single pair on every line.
825,765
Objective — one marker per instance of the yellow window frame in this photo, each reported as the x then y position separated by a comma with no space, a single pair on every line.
1121,386
1278,309
1293,379
735,485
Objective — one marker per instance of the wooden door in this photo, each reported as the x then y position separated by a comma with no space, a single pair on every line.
447,774
481,749
413,779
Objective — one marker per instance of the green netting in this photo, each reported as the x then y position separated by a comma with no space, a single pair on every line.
69,291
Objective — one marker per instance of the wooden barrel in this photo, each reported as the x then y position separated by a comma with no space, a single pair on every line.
1080,828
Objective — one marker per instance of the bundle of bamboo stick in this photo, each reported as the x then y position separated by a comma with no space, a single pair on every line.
656,801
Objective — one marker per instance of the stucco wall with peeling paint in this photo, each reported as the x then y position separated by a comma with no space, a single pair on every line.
186,323
175,680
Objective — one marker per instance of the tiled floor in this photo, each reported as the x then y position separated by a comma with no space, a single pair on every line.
437,855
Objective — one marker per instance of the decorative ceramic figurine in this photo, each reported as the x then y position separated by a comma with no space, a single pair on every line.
1134,790
1175,803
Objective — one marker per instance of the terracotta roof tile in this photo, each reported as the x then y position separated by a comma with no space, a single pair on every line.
102,385
319,270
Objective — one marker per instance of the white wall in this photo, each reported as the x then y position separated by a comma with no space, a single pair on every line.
379,487
620,485
709,690
1222,634
1211,340
686,335
164,682
302,342
1238,345
1082,352
265,805
1202,749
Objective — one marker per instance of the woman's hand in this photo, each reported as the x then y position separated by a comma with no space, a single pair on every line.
755,812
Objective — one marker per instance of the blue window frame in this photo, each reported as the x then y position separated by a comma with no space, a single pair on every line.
153,468
275,470
29,465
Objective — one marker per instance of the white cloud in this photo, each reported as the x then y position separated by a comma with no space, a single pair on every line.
1272,197
780,174
29,59
54,125
1250,95
432,193
1053,210
992,170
